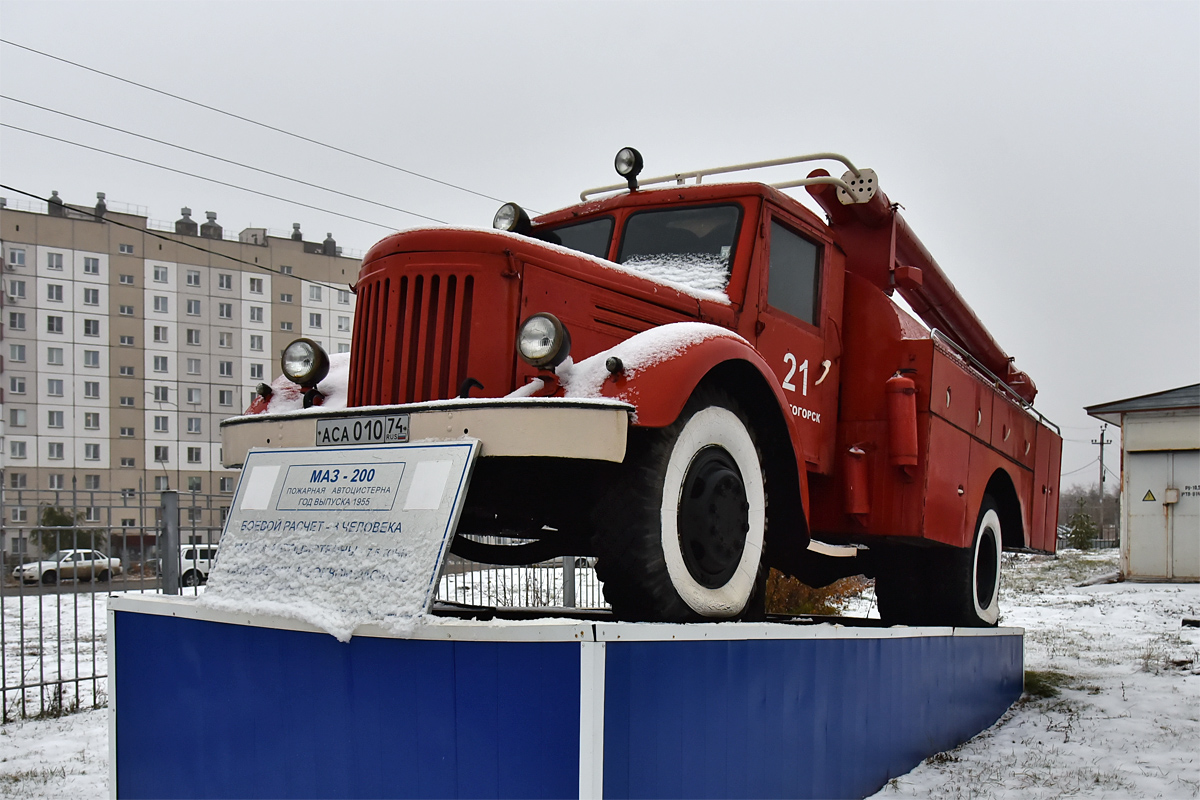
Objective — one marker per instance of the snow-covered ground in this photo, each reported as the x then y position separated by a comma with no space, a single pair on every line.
1124,724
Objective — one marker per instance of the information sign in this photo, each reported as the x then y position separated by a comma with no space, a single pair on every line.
341,537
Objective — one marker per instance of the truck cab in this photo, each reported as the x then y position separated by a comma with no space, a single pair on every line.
694,383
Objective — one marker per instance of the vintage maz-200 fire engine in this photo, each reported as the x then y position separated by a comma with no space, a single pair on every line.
693,383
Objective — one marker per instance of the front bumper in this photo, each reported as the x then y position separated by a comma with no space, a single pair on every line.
531,427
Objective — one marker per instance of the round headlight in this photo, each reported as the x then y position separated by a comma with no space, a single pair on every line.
304,362
628,162
511,217
543,341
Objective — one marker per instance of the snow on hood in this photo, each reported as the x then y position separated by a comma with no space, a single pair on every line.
639,352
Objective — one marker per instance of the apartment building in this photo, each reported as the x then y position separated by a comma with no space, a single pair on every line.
125,342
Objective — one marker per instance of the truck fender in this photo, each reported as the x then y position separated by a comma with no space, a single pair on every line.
656,371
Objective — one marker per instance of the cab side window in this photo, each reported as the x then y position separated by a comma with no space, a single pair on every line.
794,277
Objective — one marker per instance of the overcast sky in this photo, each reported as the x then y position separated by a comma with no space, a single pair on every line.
1046,153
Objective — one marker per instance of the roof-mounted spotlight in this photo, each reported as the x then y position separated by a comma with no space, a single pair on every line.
629,164
512,218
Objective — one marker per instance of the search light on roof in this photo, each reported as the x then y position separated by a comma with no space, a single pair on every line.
629,165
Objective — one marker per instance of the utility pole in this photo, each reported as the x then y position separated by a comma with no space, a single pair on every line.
1102,441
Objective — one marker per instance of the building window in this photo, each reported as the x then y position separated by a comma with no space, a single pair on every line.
256,342
54,356
193,336
53,324
91,420
162,424
314,293
162,483
162,394
283,270
91,390
91,482
56,481
314,320
225,397
193,397
125,311
16,417
91,514
224,280
225,310
91,358
343,297
16,321
285,297
18,543
128,461
126,279
194,484
128,433
126,341
126,372
91,297
54,451
91,265
91,327
16,385
160,274
54,292
193,277
54,387
193,455
16,290
256,372
162,453
225,339
16,449
193,366
343,347
16,352
225,369
226,484
343,324
54,261
54,419
160,304
256,314
128,402
193,424
91,451
160,333
128,522
256,286
285,326
17,480
193,307
160,364
16,257
125,249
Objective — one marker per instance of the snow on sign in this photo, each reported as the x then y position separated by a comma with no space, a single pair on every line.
341,537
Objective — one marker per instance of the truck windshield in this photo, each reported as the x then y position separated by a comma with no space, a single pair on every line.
692,246
591,237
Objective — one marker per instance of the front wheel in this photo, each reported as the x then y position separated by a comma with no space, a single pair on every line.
681,538
49,578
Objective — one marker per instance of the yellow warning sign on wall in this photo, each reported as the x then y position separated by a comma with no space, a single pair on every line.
1149,495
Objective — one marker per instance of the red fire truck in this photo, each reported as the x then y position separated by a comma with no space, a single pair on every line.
694,382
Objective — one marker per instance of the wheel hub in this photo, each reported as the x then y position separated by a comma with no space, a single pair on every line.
714,517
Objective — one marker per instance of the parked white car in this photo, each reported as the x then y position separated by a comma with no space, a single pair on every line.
195,562
79,564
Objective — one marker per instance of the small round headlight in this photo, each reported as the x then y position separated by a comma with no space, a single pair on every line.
628,162
543,341
511,217
304,362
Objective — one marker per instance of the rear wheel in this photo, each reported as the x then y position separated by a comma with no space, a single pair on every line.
973,593
103,576
682,536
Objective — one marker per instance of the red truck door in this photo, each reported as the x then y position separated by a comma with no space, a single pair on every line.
797,334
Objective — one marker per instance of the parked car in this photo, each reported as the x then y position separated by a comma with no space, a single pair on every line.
195,562
79,564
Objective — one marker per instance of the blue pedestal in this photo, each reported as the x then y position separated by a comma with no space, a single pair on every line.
208,704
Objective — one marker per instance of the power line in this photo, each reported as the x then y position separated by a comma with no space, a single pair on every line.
156,235
252,121
1081,469
200,177
223,160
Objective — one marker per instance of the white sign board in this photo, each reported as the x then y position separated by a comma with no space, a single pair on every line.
341,537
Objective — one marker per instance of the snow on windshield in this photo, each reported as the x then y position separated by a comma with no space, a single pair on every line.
702,271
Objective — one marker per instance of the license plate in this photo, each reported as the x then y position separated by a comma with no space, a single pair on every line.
362,430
